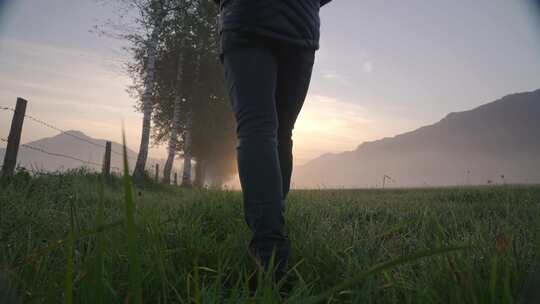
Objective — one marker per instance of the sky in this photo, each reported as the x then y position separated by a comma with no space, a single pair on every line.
384,68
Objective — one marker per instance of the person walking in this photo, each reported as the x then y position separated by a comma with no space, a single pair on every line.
267,48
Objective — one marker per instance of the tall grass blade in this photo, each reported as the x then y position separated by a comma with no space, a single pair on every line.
68,283
507,290
135,289
197,286
376,269
493,280
100,245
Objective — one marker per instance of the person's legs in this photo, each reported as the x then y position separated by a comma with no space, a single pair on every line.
293,78
251,74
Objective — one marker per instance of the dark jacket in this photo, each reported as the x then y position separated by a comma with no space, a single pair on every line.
293,21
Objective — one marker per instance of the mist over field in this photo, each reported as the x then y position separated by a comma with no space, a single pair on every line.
498,142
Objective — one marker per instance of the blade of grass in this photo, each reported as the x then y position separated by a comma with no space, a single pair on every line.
68,284
197,286
100,246
507,290
493,280
376,269
134,271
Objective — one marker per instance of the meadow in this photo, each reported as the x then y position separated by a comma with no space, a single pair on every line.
71,238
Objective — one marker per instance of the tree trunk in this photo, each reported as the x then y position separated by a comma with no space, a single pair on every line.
186,174
173,141
188,141
140,165
200,173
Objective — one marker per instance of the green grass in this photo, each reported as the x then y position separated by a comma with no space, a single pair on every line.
66,236
131,231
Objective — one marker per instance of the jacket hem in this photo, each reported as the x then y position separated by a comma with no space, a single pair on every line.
305,43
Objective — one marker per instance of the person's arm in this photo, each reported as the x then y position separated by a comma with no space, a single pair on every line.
324,2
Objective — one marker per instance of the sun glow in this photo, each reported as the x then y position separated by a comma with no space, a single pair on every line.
329,125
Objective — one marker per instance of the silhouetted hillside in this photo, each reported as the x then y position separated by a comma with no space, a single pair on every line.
68,145
471,147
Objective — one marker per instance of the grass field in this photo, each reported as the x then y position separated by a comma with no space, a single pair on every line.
61,240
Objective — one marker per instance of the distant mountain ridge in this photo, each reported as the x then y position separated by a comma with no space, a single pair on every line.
75,144
497,142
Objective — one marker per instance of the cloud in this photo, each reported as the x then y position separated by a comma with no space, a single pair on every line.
368,66
341,77
330,75
328,124
63,73
71,88
336,77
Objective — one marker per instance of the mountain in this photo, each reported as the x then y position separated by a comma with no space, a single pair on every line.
75,144
494,143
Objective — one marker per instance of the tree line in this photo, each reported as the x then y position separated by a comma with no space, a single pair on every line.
178,85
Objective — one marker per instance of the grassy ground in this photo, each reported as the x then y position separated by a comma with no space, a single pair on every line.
61,241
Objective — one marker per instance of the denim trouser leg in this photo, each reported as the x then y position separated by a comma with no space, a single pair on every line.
264,129
293,79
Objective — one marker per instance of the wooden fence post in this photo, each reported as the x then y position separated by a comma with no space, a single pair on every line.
157,173
106,169
14,139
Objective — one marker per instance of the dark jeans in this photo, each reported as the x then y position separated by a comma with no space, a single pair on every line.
267,83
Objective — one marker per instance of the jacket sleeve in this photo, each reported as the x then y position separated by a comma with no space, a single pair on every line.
324,2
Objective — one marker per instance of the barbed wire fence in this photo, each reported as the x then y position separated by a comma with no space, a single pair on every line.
50,126
44,151
86,162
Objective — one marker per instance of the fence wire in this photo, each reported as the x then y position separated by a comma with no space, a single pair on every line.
62,131
38,149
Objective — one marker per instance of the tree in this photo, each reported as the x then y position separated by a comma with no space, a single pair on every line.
157,13
141,24
190,108
212,129
178,99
